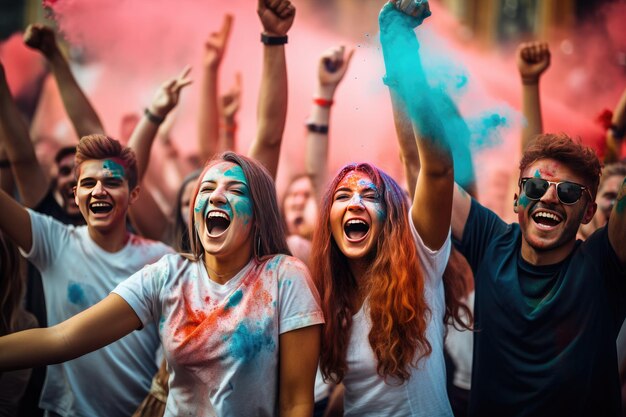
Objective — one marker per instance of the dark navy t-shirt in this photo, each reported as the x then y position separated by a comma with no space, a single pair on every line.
545,335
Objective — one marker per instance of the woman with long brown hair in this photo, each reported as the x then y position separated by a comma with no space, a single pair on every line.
235,311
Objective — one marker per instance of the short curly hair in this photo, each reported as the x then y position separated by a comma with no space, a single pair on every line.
582,160
99,146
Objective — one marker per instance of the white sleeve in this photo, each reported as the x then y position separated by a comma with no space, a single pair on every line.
142,290
299,304
49,236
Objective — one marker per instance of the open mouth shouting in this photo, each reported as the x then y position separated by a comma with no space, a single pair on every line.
100,207
217,222
356,230
546,219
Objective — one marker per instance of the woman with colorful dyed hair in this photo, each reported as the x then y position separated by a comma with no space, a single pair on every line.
238,318
378,264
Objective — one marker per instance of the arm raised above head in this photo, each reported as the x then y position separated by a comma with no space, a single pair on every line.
29,176
533,59
79,109
332,67
165,99
276,17
208,117
431,215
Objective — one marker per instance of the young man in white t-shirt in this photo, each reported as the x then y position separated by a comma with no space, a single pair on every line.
80,266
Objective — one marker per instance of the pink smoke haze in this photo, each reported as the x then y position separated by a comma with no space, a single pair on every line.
133,46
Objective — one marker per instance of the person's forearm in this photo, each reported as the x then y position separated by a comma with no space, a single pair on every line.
141,142
228,135
31,348
406,141
78,107
316,156
208,117
272,108
20,152
531,108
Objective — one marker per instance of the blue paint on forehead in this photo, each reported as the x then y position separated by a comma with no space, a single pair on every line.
114,168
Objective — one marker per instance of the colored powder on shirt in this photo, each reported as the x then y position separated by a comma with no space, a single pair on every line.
246,341
76,295
234,299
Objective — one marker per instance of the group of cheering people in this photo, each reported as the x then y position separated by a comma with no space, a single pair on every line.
245,327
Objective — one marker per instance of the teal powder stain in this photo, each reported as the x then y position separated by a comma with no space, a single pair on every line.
161,323
246,342
381,214
537,174
273,264
116,169
76,295
234,299
243,209
524,201
236,173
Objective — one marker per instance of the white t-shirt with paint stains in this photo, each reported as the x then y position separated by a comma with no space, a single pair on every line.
424,394
221,341
76,274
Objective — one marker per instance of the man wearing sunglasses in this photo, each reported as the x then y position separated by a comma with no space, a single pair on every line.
547,307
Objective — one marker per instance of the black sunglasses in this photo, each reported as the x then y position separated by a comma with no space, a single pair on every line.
568,192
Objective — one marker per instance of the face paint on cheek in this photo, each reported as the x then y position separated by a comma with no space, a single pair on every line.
524,201
243,210
116,170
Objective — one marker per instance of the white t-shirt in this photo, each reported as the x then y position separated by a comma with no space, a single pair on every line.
76,274
221,341
460,346
424,394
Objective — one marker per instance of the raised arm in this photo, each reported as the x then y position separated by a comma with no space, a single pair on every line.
533,58
430,215
165,99
616,132
617,224
229,105
208,116
409,155
332,67
15,221
30,178
80,111
104,323
276,17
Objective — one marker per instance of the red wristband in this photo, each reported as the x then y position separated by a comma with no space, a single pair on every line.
322,102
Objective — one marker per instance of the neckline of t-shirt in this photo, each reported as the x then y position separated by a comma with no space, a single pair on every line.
121,252
227,286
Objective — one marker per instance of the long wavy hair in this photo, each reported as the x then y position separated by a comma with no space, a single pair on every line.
11,285
268,231
393,286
